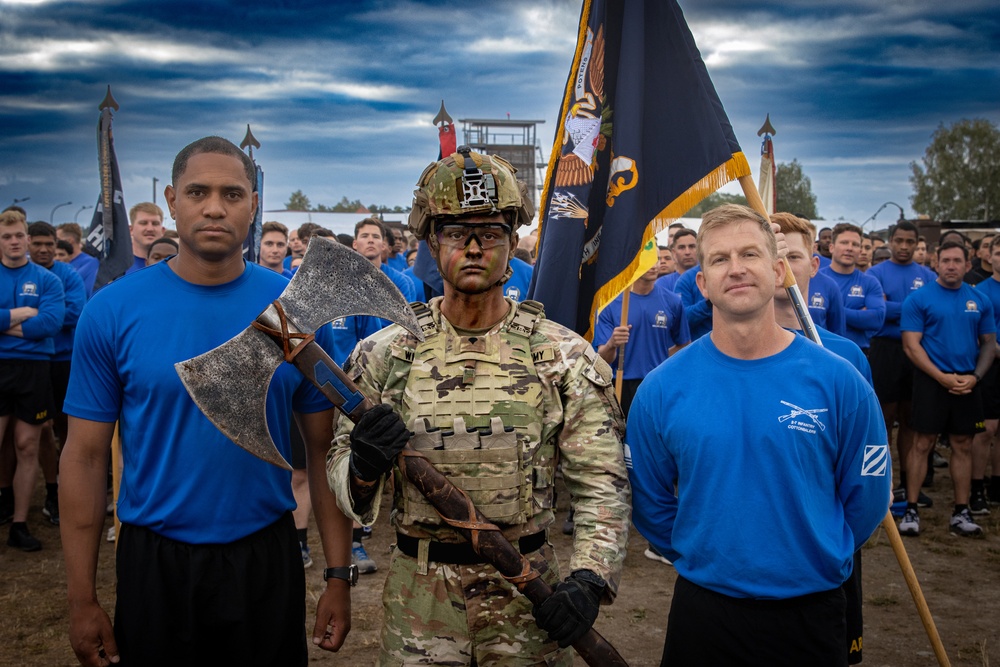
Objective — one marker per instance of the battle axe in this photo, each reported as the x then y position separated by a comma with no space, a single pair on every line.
229,385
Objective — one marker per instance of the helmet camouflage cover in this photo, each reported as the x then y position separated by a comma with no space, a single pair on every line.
464,183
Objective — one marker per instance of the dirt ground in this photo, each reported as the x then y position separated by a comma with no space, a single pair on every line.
960,579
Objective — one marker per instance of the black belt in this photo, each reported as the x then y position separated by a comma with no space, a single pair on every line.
461,553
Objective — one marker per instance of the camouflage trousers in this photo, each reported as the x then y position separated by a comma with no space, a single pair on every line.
463,615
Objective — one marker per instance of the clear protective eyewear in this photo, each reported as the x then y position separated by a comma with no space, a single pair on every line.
459,235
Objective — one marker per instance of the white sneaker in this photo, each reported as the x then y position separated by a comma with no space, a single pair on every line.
111,534
653,554
910,525
961,524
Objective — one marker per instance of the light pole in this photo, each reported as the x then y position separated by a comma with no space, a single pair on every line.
902,216
155,181
52,215
82,209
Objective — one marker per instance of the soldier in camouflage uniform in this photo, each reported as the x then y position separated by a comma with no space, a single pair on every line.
496,396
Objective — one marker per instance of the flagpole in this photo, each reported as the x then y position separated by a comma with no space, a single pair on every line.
888,524
620,376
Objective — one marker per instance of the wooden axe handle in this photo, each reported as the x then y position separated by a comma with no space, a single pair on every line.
450,502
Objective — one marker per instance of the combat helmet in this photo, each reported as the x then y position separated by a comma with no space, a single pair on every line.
464,183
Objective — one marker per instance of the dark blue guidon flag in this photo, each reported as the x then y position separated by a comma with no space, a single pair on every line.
109,228
642,139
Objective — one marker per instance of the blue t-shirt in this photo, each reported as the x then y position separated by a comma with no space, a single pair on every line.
845,349
951,321
796,440
182,478
32,286
863,302
823,261
825,304
517,287
349,331
898,281
402,283
991,288
397,262
669,281
658,324
137,263
87,267
75,297
697,310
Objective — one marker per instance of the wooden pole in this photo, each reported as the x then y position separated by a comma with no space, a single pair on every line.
757,204
620,375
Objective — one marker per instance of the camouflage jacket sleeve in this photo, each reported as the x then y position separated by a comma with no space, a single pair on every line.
590,431
368,366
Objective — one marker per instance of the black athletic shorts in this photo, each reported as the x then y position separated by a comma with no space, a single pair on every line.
629,387
990,390
709,628
892,370
855,620
241,603
59,373
26,390
935,410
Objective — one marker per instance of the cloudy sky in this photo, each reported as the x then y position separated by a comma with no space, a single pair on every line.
341,94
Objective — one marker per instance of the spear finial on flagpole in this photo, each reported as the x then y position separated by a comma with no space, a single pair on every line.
108,102
250,140
767,128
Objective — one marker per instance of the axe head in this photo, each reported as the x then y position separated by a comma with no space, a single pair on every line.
229,384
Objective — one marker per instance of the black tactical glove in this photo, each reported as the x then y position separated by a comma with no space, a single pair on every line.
572,608
377,438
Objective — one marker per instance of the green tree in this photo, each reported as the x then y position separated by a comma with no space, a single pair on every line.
714,200
297,202
794,188
960,175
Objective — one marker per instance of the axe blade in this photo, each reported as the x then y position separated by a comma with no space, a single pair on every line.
334,281
233,395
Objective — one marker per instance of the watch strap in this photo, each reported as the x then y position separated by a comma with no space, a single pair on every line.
348,574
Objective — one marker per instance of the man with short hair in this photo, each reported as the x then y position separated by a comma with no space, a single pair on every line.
864,260
983,495
863,300
369,240
41,246
891,368
520,392
683,250
274,247
697,310
823,241
800,439
32,306
920,254
296,249
656,329
981,266
396,259
84,264
161,249
207,564
949,334
665,261
146,226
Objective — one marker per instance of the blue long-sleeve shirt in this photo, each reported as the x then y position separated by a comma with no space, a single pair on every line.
898,281
797,439
696,308
75,295
32,286
864,304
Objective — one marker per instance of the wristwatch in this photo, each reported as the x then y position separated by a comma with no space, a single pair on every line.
348,574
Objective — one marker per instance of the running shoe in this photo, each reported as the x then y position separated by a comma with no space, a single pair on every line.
51,510
360,558
923,500
937,460
978,503
961,524
20,538
307,560
910,525
111,534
